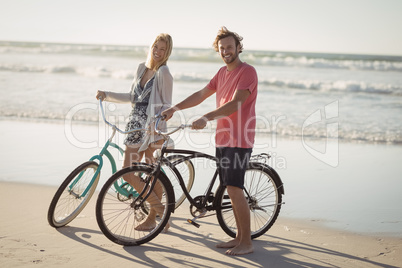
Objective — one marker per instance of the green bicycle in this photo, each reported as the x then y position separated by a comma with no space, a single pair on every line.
77,189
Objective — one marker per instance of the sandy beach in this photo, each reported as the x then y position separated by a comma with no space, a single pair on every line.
27,240
333,217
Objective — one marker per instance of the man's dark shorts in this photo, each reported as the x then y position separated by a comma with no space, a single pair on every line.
232,165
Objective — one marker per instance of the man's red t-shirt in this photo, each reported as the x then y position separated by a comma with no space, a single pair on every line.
237,129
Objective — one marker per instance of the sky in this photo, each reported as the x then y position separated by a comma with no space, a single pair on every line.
326,26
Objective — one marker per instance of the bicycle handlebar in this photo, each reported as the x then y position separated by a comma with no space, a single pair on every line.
114,126
158,118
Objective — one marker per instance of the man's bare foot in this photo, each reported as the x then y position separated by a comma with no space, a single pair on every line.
240,250
230,244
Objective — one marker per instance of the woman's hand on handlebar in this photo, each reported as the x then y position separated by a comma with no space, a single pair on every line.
101,95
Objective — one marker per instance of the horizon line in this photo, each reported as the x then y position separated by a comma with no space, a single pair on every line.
202,48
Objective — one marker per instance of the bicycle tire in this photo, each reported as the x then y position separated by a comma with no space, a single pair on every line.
262,185
117,218
68,201
187,172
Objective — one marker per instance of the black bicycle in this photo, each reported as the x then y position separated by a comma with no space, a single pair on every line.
119,215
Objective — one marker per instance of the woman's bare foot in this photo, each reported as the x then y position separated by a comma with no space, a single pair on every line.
147,225
167,226
229,244
240,250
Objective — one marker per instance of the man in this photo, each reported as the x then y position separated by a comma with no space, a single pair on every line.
235,86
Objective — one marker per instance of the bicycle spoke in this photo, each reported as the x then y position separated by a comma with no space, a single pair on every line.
264,200
122,221
73,194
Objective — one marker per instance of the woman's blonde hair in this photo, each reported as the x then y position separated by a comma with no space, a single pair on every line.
150,63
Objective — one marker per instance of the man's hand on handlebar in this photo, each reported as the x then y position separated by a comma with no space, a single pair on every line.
101,95
168,113
199,123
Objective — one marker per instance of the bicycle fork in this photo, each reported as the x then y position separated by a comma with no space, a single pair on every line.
148,188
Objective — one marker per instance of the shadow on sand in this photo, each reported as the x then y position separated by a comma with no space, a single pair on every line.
267,254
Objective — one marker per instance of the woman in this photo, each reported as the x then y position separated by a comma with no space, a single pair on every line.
150,94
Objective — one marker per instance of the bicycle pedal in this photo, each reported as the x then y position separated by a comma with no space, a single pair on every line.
193,223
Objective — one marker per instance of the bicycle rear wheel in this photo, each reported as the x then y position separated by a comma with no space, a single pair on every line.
264,198
118,215
186,170
73,194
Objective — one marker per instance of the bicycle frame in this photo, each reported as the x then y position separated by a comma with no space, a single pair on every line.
190,155
99,158
149,185
105,152
193,154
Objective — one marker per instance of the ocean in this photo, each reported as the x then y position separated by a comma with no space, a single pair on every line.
45,81
307,104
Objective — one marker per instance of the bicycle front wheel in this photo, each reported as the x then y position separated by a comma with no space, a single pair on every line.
121,215
264,199
73,194
186,170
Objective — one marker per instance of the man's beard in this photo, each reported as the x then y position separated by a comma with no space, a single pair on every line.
231,59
